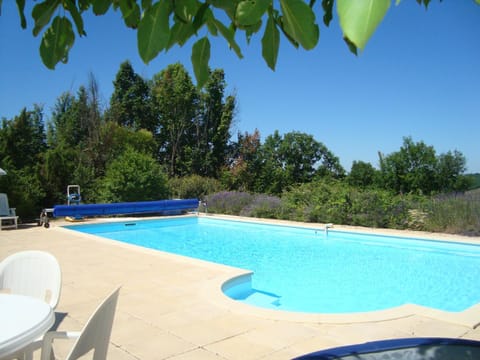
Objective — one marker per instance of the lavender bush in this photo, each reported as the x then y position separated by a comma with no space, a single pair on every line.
263,206
228,202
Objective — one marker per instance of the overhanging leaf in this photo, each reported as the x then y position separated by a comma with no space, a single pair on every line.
100,7
180,33
77,18
360,18
130,13
327,6
42,13
270,43
154,30
186,9
21,12
229,35
299,23
200,58
57,42
250,12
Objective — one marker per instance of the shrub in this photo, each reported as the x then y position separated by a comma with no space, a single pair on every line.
454,213
228,202
263,206
193,186
133,176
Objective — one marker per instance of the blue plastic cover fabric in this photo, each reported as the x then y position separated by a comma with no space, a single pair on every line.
408,349
141,207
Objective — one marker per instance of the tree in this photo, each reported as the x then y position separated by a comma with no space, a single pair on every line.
415,168
22,144
131,104
175,104
295,158
133,176
73,138
22,139
362,174
244,169
450,168
412,169
166,23
212,127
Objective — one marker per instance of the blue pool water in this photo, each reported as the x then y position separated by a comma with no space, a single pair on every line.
305,270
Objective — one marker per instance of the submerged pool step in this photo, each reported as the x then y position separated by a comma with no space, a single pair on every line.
259,298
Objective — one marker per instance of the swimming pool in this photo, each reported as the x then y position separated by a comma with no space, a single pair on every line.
308,270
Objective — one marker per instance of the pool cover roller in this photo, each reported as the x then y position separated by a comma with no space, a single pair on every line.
140,207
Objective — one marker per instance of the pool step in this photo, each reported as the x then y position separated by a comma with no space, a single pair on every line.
263,299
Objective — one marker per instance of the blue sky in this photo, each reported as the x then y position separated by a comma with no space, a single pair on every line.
419,76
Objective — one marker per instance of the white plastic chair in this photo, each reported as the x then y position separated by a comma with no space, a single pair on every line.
32,273
7,213
95,335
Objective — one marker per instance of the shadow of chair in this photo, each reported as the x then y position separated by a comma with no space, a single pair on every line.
95,335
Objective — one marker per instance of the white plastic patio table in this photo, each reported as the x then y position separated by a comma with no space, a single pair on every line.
22,320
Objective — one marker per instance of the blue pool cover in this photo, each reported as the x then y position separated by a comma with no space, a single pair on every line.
140,207
409,348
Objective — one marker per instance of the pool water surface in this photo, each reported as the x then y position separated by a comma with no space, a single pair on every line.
309,270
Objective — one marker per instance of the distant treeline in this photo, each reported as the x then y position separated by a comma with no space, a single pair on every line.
163,137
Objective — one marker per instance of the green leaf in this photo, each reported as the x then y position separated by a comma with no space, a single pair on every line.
360,18
229,7
229,35
200,16
327,6
100,7
299,23
42,13
21,12
250,12
180,34
478,2
210,22
57,42
130,12
270,43
186,9
252,29
77,18
154,31
200,58
146,4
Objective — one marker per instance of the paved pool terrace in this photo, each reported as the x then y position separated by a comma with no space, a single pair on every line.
171,307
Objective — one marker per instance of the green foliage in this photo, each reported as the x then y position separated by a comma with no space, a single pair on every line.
473,181
417,169
333,201
133,176
193,186
362,174
166,23
130,103
295,158
22,140
455,213
175,100
360,18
